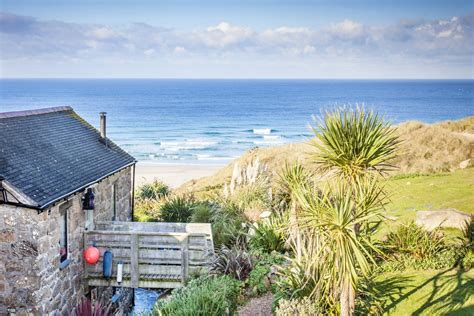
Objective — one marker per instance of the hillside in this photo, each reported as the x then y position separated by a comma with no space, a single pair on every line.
425,148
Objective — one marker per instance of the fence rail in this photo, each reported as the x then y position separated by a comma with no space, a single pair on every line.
154,255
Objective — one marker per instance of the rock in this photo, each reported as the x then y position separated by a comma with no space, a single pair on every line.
464,164
265,214
451,218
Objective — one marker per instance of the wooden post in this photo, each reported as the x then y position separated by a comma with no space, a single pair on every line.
134,273
184,258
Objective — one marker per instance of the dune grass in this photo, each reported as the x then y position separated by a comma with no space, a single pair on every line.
427,148
435,292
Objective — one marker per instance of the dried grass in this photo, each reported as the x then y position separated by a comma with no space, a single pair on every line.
426,148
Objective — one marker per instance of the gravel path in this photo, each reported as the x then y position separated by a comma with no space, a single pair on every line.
258,306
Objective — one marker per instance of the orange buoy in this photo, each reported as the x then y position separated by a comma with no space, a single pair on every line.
91,255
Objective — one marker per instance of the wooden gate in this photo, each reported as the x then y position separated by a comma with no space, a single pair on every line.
154,255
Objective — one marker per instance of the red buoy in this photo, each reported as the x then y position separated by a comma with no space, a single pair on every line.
91,255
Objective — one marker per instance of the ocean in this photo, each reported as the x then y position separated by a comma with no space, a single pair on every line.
214,121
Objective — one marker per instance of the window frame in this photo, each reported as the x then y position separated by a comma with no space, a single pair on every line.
63,215
114,201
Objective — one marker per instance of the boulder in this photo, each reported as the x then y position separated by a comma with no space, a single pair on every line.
451,218
464,164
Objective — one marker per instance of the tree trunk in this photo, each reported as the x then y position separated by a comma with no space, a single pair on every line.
347,299
295,235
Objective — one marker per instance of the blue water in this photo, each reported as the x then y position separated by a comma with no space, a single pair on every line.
213,121
144,300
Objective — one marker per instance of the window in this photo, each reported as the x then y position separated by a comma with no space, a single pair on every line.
3,195
114,201
63,230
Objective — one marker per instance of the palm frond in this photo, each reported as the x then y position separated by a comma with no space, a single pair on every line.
352,142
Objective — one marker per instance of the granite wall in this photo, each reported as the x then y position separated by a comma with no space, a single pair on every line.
31,280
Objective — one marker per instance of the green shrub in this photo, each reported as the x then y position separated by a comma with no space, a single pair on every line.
235,261
298,279
202,213
306,276
270,234
411,246
260,279
228,226
467,262
155,190
252,196
210,295
415,241
299,306
147,210
178,209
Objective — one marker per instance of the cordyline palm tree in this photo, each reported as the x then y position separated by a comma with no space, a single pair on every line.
343,225
354,143
293,178
354,146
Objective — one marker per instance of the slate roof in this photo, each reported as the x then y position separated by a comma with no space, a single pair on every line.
48,154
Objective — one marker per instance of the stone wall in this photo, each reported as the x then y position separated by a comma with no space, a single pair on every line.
31,281
103,192
19,281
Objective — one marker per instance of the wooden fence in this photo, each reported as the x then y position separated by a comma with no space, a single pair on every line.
154,255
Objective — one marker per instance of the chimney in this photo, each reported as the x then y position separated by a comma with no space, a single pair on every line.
103,126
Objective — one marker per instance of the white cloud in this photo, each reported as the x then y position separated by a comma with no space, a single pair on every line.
224,34
179,50
427,42
149,52
309,49
347,29
104,33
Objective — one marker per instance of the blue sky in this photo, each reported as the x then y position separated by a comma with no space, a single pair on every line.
237,39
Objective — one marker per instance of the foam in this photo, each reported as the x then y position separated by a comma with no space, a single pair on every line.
262,131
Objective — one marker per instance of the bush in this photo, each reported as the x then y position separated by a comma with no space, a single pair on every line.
467,262
410,246
155,190
202,213
270,234
210,295
228,226
87,308
178,209
147,210
260,279
252,198
299,306
236,262
415,241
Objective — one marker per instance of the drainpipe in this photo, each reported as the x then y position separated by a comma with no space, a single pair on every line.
103,127
133,191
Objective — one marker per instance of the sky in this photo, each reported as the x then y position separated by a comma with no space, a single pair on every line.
338,39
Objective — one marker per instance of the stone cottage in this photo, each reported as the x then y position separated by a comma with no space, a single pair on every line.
52,162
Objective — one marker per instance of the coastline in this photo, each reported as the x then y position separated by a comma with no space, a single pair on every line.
173,175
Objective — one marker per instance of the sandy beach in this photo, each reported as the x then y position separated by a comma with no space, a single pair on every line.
172,174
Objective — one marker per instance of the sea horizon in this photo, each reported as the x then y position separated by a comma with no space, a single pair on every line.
213,121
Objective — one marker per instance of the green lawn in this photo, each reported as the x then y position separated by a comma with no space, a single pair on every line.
448,292
410,193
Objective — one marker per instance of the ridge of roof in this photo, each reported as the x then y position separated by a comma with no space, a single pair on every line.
72,155
35,112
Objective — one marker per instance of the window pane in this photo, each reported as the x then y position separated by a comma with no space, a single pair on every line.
63,236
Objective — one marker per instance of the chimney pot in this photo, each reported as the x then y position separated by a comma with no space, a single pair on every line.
103,126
